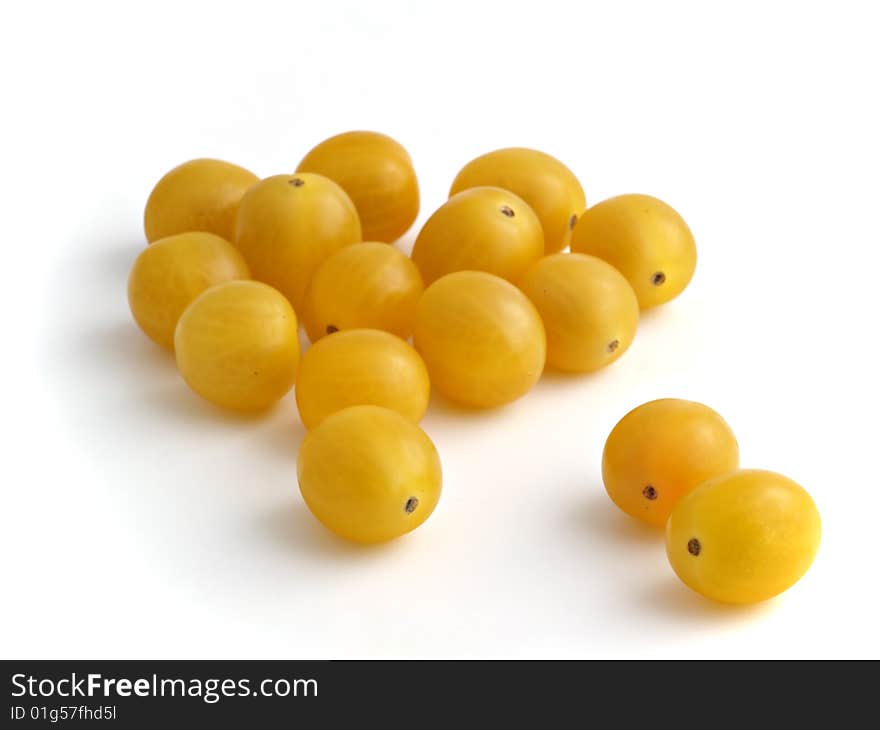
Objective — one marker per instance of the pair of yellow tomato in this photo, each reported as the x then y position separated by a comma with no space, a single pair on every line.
734,535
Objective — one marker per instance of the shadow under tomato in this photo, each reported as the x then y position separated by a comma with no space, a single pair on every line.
183,403
569,384
672,597
119,348
119,371
444,409
294,530
653,315
553,376
116,260
283,432
276,432
600,516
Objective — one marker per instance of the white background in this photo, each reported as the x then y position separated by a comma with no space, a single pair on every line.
138,521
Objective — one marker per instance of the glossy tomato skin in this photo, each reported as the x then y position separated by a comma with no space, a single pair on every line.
369,474
361,367
378,175
289,224
643,238
237,345
173,271
479,229
590,312
660,451
743,537
481,338
365,285
542,181
199,195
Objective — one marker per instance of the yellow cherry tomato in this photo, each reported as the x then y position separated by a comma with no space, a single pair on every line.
172,272
361,367
237,345
590,311
378,175
369,474
367,285
481,338
662,450
548,186
644,239
199,195
479,229
743,537
289,224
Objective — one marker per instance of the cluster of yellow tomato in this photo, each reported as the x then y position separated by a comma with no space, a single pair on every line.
235,263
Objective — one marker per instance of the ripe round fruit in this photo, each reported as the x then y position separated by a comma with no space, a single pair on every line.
480,229
199,195
590,311
645,240
361,367
743,537
548,186
662,450
172,272
367,285
378,175
237,345
289,224
481,338
369,474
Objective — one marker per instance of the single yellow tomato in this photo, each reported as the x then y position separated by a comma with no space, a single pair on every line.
369,474
361,367
199,195
289,224
548,186
743,537
172,272
479,229
378,175
662,450
237,345
590,311
481,338
645,240
367,285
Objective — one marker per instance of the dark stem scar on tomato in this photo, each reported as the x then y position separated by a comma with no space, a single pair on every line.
507,210
650,492
411,505
658,278
694,546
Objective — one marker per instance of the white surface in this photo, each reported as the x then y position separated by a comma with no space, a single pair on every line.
140,522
